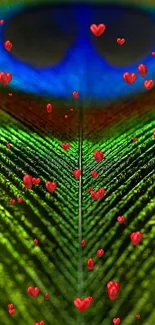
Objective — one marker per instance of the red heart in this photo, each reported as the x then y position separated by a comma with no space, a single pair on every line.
33,292
153,53
100,252
77,173
83,304
130,78
27,180
1,22
121,219
12,201
41,322
113,292
75,94
134,139
120,41
12,311
19,199
148,84
47,296
138,316
36,241
65,146
51,186
8,45
83,243
5,78
36,180
10,306
49,108
94,195
94,173
8,145
98,155
142,69
97,30
136,237
101,192
90,264
116,321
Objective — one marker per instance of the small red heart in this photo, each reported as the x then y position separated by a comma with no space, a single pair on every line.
1,22
12,201
5,78
121,219
19,199
138,316
71,109
142,69
97,30
98,155
10,94
12,311
94,173
76,94
136,237
8,45
134,139
110,284
83,243
49,108
36,241
36,180
65,146
153,53
113,292
116,321
47,296
94,195
90,264
41,322
77,173
100,252
130,78
10,306
120,41
33,291
148,84
101,192
8,145
66,116
83,304
27,180
51,186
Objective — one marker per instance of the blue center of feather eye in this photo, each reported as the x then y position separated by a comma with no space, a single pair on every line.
58,54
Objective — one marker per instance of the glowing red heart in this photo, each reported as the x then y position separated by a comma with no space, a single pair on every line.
113,289
83,304
98,155
130,78
90,264
76,94
121,219
94,173
49,108
100,252
116,321
5,78
8,45
1,22
120,41
51,186
27,180
12,201
33,291
97,30
77,173
136,237
83,243
153,53
94,195
19,199
148,84
12,311
142,69
65,146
